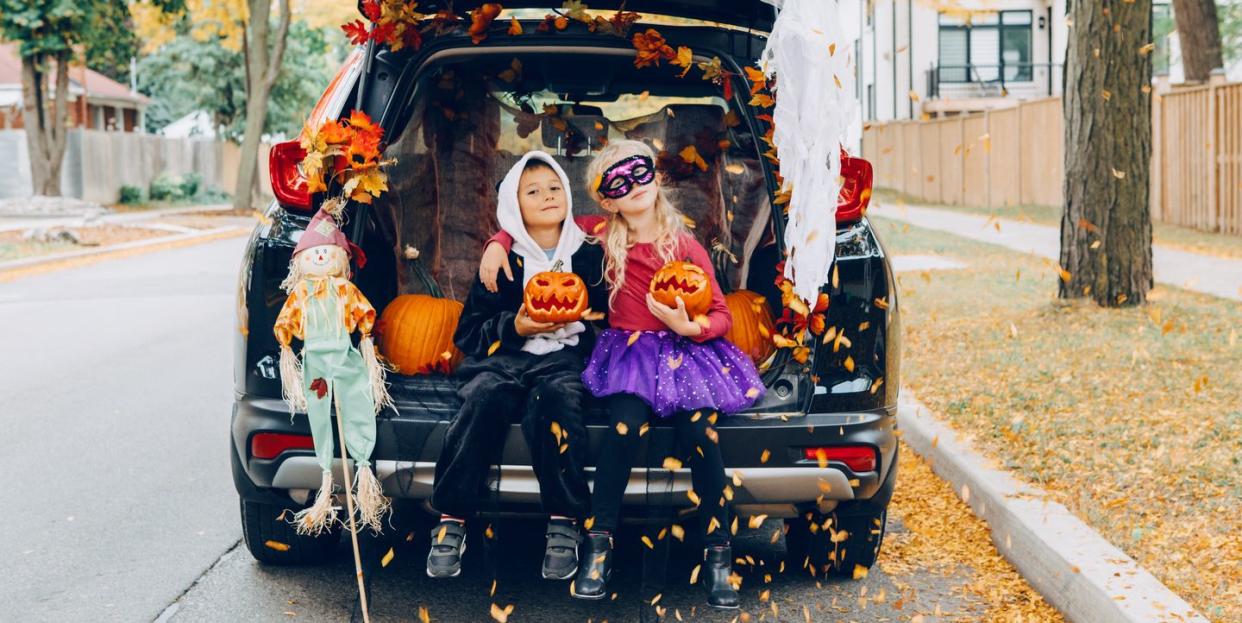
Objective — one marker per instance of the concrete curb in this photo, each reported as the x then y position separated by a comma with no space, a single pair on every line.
1075,569
121,249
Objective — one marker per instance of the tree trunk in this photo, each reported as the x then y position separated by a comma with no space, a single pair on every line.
262,69
45,129
1198,32
1106,226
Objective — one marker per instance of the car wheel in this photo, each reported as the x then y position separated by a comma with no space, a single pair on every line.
274,541
839,542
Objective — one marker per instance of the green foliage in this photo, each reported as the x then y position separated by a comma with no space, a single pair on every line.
1230,18
190,184
166,188
188,75
131,195
43,27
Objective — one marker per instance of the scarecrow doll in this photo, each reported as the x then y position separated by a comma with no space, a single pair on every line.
324,309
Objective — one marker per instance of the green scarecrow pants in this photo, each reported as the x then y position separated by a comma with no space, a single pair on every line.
333,368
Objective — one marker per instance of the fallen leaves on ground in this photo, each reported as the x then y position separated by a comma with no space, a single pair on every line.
1129,417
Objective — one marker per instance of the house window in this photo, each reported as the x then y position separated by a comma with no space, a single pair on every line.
978,48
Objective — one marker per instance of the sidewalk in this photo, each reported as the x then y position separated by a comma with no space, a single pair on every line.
16,223
1202,273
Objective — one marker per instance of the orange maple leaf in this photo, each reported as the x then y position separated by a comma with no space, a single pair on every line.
481,19
652,48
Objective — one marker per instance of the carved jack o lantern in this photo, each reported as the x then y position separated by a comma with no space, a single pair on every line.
684,279
555,296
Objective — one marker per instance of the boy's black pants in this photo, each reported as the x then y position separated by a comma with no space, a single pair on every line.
538,389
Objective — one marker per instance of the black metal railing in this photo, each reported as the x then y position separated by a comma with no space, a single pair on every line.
995,80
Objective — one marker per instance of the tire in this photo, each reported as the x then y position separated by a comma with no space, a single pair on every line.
859,537
265,533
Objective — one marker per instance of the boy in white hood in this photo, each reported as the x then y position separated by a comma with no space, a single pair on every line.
516,368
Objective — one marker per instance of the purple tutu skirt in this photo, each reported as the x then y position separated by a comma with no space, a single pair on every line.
673,373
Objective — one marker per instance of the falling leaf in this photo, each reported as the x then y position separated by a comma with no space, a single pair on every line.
679,532
756,521
671,463
1121,175
849,363
694,497
424,616
642,430
633,338
1147,49
860,572
622,428
501,614
387,558
764,456
691,155
276,545
647,541
493,348
694,574
515,27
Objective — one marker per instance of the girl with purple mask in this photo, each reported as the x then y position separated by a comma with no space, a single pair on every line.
655,363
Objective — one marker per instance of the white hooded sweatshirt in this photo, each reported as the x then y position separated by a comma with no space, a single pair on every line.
534,259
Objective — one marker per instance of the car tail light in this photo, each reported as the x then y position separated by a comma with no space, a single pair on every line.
288,183
855,189
270,445
857,458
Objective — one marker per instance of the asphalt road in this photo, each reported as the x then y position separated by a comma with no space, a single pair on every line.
116,394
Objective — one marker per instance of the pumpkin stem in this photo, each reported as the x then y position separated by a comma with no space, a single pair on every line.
556,268
420,271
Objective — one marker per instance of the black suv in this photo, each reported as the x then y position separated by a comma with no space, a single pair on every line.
819,451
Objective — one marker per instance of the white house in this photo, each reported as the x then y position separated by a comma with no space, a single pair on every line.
945,57
919,57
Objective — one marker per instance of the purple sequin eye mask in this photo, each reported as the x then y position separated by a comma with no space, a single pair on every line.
621,178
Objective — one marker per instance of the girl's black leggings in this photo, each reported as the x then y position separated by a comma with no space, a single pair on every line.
616,459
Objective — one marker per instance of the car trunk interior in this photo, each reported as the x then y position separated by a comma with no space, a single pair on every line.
471,117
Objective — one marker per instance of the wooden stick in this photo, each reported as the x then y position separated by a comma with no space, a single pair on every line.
349,506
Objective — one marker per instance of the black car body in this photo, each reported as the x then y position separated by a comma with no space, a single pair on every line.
819,450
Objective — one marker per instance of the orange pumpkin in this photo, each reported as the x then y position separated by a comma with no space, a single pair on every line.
752,327
555,297
684,279
416,334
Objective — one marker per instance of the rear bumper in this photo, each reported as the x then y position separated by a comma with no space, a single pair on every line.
780,486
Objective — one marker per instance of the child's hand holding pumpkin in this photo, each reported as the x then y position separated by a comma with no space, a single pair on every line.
676,318
526,327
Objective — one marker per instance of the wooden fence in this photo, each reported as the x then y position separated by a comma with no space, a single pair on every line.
1015,156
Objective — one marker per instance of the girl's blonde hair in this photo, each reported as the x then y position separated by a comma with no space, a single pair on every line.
616,240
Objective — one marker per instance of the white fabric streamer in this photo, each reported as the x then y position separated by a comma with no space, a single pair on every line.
809,55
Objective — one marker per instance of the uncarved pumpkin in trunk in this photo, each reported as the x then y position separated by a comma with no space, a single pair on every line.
416,334
752,327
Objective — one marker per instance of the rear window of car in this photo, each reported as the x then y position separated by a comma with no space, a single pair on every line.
472,116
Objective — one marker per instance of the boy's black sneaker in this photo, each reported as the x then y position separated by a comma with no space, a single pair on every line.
560,557
448,543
